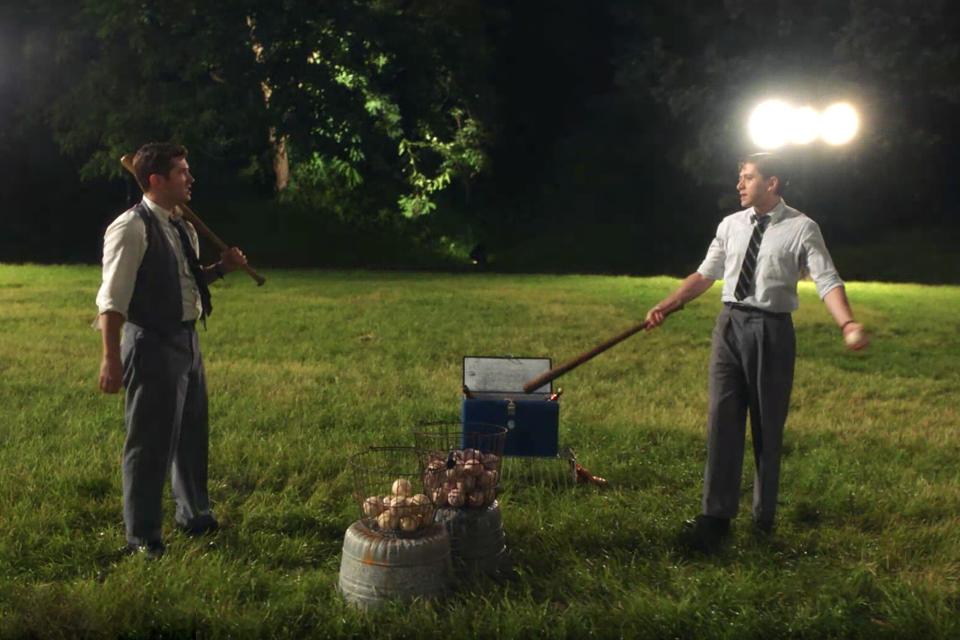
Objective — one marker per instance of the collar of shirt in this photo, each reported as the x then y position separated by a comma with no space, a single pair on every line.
159,211
775,214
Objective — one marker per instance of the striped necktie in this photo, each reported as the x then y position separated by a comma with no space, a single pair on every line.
195,269
749,266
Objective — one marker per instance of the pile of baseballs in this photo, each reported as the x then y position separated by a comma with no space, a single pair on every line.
401,511
462,478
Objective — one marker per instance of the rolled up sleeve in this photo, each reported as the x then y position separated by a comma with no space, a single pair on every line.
124,244
818,261
713,264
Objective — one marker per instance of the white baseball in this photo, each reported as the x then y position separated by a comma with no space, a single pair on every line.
422,508
408,524
473,467
394,503
387,521
853,338
402,487
372,506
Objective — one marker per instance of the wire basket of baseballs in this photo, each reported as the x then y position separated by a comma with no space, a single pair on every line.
461,463
389,487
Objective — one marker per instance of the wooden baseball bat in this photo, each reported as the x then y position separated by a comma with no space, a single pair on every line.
194,219
558,371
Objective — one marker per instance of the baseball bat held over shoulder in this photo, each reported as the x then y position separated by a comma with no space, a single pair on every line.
535,383
194,219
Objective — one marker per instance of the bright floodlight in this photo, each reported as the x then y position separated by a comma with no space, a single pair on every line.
769,123
804,125
839,124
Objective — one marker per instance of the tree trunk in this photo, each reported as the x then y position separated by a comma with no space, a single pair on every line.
281,163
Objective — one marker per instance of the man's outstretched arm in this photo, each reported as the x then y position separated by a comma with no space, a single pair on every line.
692,286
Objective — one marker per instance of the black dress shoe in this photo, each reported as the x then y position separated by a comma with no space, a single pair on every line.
705,533
153,550
200,526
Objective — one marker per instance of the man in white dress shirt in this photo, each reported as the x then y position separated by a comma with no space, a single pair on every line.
153,292
760,253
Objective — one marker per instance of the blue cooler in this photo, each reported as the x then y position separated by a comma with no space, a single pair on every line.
493,395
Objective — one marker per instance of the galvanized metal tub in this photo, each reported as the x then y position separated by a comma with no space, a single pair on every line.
376,568
477,541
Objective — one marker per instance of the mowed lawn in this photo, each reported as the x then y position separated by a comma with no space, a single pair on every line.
317,364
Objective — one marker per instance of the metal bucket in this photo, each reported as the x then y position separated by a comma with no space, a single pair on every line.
477,541
377,568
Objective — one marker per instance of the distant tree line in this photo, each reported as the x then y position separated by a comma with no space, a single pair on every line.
605,132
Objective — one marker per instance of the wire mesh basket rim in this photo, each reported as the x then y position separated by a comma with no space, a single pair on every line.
494,429
374,469
372,449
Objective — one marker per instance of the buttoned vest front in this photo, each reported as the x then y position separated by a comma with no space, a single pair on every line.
157,301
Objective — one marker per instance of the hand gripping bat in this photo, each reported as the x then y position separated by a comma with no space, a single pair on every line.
194,219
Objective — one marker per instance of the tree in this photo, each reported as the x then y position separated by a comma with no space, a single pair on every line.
379,93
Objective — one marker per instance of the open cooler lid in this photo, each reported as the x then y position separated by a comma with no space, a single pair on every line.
502,377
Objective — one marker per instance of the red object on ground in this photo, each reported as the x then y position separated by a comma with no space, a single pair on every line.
583,475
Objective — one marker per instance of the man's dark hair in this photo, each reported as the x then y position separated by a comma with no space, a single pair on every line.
156,157
770,165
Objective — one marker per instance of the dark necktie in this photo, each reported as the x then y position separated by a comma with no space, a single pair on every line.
749,266
194,263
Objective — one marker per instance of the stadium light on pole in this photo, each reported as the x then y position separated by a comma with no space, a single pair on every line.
775,123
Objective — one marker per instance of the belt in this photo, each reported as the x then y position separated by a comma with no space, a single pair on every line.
183,324
166,332
739,306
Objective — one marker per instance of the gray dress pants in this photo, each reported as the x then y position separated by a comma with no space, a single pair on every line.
167,428
751,369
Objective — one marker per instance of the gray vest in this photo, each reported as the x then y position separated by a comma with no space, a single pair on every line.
157,302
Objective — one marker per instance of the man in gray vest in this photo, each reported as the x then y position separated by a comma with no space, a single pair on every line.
760,253
153,292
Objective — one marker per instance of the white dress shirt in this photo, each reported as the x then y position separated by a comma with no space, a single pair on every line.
124,244
792,248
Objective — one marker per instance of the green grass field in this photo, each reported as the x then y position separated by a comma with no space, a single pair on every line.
316,364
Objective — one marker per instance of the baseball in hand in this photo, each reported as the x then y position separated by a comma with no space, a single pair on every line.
855,338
